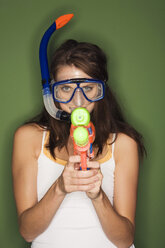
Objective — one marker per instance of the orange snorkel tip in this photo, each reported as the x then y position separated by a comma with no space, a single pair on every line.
63,20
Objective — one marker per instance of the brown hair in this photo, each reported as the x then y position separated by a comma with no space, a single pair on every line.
107,116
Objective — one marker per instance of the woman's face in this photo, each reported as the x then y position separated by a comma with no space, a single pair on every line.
68,72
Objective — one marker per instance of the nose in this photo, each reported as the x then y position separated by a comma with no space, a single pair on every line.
78,98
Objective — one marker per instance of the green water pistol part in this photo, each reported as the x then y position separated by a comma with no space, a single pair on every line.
80,117
80,136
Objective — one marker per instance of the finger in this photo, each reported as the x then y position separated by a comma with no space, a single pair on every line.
93,164
83,174
84,188
85,181
73,159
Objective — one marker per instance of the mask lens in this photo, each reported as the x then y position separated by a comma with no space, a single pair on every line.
93,91
63,92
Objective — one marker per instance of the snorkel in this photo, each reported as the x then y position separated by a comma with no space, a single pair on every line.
46,91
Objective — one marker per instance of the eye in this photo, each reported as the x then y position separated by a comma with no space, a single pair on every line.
87,88
66,88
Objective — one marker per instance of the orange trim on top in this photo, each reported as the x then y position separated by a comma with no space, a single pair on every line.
64,162
106,157
48,154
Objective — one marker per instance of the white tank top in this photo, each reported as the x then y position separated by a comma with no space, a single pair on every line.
75,224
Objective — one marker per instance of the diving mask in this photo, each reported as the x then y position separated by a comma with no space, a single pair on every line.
90,89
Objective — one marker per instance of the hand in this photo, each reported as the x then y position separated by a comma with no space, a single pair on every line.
72,179
96,190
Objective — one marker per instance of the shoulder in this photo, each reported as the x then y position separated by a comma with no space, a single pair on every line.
28,128
125,140
28,132
125,146
29,136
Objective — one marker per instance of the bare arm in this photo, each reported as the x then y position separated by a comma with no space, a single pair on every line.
118,221
33,216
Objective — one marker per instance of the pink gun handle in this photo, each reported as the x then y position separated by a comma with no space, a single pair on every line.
83,160
83,151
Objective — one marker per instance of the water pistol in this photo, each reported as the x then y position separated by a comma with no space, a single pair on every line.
82,132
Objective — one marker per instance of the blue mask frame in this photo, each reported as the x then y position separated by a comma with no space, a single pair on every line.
78,81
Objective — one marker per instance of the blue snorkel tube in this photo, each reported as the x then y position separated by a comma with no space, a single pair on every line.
46,91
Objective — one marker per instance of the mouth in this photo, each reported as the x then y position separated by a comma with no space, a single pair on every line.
72,108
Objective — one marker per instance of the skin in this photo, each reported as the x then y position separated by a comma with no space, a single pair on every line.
118,221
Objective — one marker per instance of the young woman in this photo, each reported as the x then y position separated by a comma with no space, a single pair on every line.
59,205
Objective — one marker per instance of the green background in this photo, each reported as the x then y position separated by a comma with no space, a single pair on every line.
131,32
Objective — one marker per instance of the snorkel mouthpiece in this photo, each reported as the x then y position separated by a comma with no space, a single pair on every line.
47,95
